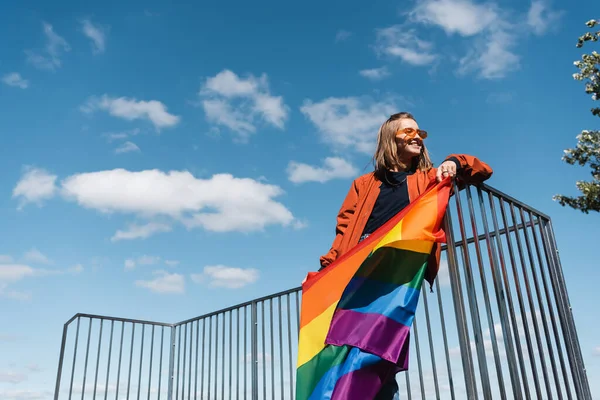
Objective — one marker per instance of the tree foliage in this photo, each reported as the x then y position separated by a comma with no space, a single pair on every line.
587,151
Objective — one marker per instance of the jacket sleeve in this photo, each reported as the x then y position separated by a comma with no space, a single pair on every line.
470,169
345,214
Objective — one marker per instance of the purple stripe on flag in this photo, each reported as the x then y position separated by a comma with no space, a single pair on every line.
364,383
373,333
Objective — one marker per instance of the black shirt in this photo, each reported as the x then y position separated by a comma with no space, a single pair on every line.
392,199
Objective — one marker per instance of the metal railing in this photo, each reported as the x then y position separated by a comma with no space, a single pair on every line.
496,325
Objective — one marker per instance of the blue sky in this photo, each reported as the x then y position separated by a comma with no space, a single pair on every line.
160,161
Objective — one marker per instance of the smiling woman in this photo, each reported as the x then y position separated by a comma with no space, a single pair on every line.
403,170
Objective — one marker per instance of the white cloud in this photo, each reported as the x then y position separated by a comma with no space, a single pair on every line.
220,204
127,147
144,231
342,35
172,263
15,79
443,276
25,394
5,259
131,263
35,256
395,41
131,109
76,269
164,282
348,122
10,273
34,186
540,17
49,58
238,103
112,136
12,377
456,16
96,33
333,168
492,57
596,351
227,277
375,74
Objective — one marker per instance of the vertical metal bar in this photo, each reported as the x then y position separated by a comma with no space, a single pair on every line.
74,358
196,362
120,358
61,358
513,262
582,387
272,349
557,335
511,308
171,363
500,300
460,312
419,366
445,339
430,337
184,360
160,362
264,359
230,351
191,324
289,324
298,309
280,347
408,391
98,359
179,373
223,359
130,360
208,383
254,349
87,353
216,388
203,356
237,364
141,364
245,351
486,297
473,304
530,299
540,300
150,366
178,361
112,326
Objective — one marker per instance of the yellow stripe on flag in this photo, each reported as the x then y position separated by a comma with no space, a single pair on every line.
312,336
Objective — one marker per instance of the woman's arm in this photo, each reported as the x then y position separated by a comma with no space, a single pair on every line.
343,218
470,170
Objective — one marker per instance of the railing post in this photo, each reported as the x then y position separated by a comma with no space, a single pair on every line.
254,349
565,311
171,364
459,309
61,360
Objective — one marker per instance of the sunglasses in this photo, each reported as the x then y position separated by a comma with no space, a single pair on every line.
411,133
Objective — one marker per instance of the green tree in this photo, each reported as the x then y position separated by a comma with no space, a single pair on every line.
587,151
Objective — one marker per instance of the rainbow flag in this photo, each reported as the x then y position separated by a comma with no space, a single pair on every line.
356,313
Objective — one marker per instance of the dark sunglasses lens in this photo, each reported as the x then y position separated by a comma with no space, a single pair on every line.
423,134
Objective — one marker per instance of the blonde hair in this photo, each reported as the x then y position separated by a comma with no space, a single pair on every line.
386,154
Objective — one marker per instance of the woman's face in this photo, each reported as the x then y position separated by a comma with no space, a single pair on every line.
408,147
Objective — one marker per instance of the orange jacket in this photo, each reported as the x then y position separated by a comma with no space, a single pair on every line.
363,193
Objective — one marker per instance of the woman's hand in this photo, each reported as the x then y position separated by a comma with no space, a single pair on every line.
446,169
